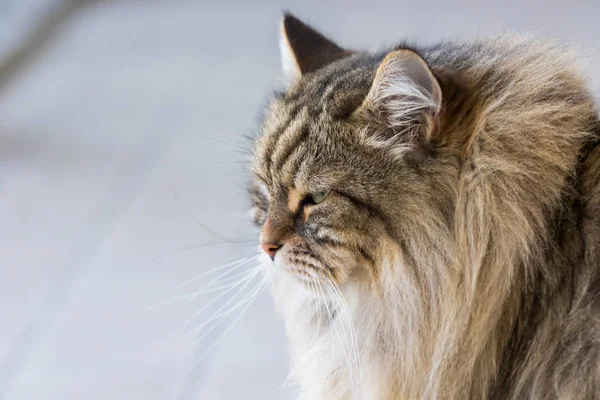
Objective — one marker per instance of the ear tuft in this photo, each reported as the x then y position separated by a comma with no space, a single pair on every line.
407,95
304,50
291,69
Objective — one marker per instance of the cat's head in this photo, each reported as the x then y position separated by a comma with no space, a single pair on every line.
344,161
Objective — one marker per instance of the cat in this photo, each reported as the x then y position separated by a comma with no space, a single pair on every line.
429,219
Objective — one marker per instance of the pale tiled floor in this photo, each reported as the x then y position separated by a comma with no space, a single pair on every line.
118,139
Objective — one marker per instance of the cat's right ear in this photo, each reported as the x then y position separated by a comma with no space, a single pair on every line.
406,100
304,50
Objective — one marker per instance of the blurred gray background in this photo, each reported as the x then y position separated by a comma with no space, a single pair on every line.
122,130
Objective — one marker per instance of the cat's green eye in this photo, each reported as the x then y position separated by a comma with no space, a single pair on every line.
319,196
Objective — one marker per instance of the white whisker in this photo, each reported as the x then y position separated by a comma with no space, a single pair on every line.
345,335
245,283
245,302
353,337
223,311
234,265
257,292
226,284
319,311
225,281
346,309
333,325
309,300
312,297
332,360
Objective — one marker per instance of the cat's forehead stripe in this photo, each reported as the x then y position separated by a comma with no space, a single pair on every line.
287,127
292,138
274,127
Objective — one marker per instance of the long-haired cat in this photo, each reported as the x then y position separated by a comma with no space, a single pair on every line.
430,219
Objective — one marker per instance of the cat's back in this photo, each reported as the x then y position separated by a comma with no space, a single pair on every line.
517,105
519,72
528,124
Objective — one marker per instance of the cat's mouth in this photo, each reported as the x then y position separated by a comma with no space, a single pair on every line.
301,265
314,265
304,274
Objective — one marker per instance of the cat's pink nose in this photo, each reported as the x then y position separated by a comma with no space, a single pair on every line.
270,248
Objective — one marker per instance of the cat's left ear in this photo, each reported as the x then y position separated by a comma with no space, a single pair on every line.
406,98
304,50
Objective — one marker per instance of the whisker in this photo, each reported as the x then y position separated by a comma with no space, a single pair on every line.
227,283
234,265
217,313
224,334
332,361
197,313
228,279
346,309
345,334
201,224
240,277
354,364
319,311
310,300
333,324
354,336
221,316
312,295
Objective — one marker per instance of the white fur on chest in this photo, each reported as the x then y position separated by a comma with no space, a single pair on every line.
326,356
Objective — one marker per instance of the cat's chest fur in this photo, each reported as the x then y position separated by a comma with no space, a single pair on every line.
326,328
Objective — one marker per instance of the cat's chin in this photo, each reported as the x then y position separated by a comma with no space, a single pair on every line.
306,303
294,292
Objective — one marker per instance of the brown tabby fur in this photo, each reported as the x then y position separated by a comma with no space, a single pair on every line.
467,245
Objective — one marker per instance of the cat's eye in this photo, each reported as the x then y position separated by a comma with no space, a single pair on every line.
318,197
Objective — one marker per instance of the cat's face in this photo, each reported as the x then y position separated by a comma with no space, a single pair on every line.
334,167
315,193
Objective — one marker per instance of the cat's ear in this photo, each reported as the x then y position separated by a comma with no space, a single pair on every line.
304,50
406,98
